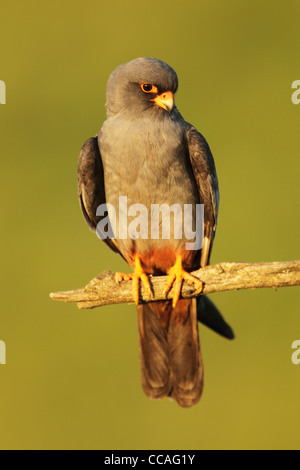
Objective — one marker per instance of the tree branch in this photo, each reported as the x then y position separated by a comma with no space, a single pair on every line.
103,290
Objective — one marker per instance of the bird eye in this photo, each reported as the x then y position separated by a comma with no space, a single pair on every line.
148,88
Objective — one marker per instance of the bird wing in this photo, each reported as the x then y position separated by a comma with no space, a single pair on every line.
91,189
207,184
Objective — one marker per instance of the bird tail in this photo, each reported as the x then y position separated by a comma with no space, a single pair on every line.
170,356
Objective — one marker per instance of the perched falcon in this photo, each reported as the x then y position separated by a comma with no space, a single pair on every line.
146,152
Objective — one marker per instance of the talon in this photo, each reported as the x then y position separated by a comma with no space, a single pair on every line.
176,276
139,274
192,280
119,277
169,283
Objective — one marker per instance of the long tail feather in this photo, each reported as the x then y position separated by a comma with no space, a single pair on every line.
154,353
170,354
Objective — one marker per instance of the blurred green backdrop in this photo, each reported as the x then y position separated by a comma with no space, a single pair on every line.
72,377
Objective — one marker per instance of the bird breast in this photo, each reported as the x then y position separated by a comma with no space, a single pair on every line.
147,163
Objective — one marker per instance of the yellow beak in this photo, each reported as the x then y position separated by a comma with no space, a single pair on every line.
165,100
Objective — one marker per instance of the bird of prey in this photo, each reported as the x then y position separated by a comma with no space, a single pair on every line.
147,152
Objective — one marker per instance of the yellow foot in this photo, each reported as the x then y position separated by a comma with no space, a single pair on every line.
139,274
176,276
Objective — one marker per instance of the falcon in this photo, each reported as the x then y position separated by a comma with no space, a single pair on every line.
146,152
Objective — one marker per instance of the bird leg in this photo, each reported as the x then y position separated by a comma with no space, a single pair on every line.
136,276
176,276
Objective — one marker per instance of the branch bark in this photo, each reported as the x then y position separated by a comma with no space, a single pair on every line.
103,290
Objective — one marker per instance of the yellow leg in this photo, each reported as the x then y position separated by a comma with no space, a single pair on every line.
176,276
136,276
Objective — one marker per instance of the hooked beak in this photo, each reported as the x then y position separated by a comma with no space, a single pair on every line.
165,100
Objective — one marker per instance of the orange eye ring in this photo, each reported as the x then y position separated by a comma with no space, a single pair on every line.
148,88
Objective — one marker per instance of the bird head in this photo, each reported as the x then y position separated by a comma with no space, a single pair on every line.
143,84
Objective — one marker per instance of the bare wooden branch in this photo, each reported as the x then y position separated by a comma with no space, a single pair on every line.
103,290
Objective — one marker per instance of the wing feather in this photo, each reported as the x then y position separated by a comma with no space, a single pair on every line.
91,190
207,184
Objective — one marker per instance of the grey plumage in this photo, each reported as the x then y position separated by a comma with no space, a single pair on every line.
153,156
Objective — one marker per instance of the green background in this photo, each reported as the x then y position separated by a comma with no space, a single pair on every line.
72,377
